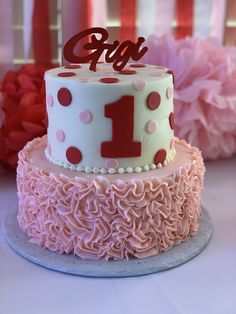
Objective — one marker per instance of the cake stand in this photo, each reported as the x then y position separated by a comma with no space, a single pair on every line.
70,264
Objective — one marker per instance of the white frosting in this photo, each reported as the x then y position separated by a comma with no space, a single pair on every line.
92,95
129,169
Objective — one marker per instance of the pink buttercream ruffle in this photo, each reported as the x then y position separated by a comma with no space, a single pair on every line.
99,219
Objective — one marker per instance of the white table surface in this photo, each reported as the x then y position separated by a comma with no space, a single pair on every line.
206,284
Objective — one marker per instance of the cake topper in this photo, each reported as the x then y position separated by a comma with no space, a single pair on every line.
116,53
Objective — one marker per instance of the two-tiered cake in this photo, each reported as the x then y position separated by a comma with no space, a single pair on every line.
109,181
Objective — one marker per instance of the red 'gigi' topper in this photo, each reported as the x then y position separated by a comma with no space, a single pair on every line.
116,53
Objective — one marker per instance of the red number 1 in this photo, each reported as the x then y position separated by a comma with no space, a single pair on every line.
122,145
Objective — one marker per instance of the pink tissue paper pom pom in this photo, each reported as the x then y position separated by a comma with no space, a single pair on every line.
205,91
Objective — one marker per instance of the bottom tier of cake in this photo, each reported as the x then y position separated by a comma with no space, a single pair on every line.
109,216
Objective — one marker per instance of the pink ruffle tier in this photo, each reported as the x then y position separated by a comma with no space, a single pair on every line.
109,216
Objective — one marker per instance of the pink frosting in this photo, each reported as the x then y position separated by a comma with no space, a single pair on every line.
85,116
151,126
139,84
107,73
95,218
50,100
84,79
49,148
60,135
111,163
169,92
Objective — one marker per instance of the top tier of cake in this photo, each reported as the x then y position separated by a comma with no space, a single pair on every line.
108,121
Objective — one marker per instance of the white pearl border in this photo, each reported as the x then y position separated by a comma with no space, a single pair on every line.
169,159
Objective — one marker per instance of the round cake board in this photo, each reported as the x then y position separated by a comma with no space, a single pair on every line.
68,263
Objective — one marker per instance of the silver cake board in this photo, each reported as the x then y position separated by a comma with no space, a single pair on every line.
70,264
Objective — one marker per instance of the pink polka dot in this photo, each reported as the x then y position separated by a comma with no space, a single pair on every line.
64,96
50,100
105,73
151,126
160,67
60,135
169,92
157,74
66,74
85,116
153,100
111,163
73,155
49,148
139,84
84,79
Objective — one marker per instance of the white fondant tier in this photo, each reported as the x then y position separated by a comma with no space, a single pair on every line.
109,216
109,121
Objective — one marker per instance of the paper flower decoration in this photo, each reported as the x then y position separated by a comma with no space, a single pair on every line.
23,104
205,91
